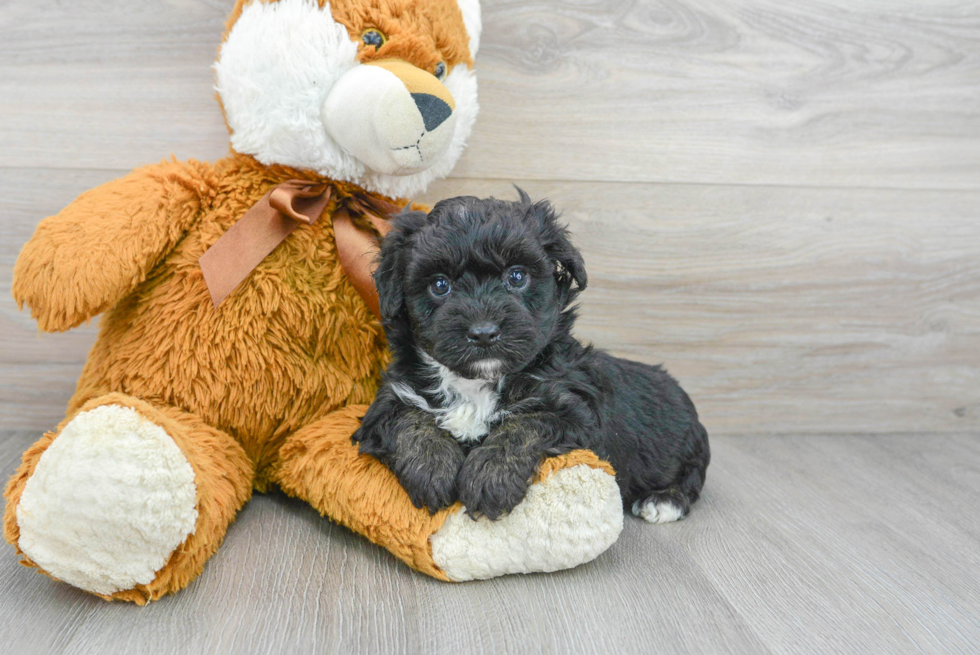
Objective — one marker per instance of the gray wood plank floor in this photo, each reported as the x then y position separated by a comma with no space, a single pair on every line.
801,544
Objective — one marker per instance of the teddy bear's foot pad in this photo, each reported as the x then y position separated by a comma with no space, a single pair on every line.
110,500
565,520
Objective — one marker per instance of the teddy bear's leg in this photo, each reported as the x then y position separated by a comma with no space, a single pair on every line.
125,499
571,514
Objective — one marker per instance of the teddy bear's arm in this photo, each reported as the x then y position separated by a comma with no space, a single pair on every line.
83,260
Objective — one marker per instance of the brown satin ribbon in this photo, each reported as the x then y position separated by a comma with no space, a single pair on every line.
356,250
263,227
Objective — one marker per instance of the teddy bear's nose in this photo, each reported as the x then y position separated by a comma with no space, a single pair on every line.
434,110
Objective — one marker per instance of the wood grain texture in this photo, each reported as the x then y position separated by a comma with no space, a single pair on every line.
810,92
807,93
780,310
801,544
802,308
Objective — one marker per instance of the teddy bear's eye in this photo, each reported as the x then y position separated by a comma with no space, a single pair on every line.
373,37
440,287
440,71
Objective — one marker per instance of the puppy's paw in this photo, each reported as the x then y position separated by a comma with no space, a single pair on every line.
430,477
492,485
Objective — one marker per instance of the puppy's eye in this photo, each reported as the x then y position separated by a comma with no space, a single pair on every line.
517,277
440,287
440,71
373,37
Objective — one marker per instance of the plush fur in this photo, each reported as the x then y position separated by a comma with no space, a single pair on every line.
281,61
476,298
114,454
267,388
592,519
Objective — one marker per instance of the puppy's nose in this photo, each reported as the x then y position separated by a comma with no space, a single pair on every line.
483,334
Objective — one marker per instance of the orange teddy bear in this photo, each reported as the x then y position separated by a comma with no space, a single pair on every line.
213,378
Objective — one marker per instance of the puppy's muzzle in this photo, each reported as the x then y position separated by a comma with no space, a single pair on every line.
394,117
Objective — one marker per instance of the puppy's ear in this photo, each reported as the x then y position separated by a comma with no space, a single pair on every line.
388,277
554,238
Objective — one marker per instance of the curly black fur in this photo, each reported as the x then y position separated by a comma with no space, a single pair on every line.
552,394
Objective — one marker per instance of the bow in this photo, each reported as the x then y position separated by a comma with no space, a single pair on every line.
280,211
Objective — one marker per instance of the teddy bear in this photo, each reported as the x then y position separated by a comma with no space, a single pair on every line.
238,348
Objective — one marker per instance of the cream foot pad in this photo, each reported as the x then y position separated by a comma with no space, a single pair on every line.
567,519
108,503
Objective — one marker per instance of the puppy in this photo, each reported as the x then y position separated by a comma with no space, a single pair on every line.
486,378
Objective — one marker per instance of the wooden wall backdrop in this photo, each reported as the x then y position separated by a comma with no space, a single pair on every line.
779,200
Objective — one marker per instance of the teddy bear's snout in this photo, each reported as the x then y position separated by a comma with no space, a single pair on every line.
392,116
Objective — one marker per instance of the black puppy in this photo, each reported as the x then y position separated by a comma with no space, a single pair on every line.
486,378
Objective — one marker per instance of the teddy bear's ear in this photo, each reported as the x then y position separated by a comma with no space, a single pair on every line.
474,24
556,241
392,260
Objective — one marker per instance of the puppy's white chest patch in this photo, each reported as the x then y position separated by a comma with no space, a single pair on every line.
466,407
472,407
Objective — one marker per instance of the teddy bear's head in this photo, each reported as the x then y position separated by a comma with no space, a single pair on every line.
376,92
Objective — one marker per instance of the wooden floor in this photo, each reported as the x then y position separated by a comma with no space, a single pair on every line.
778,200
807,544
